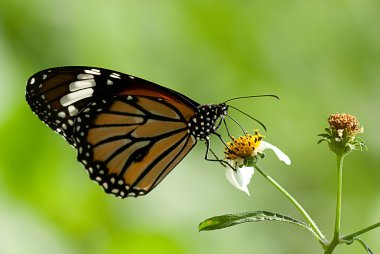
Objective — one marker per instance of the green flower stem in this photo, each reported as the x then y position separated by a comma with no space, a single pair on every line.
336,240
319,235
339,195
364,230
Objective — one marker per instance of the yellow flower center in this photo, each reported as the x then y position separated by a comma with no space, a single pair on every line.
243,147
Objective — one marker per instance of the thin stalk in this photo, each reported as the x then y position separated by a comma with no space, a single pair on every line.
338,211
314,226
362,231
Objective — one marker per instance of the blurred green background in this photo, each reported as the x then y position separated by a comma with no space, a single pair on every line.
320,57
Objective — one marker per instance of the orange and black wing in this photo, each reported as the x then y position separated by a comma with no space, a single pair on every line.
58,95
129,132
128,144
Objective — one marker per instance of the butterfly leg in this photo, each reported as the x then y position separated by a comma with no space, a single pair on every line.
226,146
228,131
223,162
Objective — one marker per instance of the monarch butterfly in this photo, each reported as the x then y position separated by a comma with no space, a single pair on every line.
129,133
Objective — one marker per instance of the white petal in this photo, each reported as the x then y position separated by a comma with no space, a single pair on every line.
240,178
280,154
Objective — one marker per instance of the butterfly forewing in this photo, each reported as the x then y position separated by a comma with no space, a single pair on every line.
57,95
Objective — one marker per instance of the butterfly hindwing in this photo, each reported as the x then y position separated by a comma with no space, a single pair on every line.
129,144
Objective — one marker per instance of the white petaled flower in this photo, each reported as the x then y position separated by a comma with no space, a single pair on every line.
247,148
280,154
240,177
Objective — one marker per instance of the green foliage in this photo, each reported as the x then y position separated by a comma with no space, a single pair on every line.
360,241
228,220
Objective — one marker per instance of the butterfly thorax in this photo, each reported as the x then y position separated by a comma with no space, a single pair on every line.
207,120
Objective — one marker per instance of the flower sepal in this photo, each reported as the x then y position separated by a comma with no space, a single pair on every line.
250,161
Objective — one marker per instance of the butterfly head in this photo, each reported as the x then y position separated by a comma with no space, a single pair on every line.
207,120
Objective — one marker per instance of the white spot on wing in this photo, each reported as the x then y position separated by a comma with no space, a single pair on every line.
62,114
44,76
76,96
72,111
85,76
115,75
109,82
32,81
92,71
81,84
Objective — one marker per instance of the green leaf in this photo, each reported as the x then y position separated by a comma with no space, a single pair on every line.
228,220
362,243
324,135
360,144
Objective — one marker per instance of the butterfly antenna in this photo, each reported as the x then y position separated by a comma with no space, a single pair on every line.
253,96
254,119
